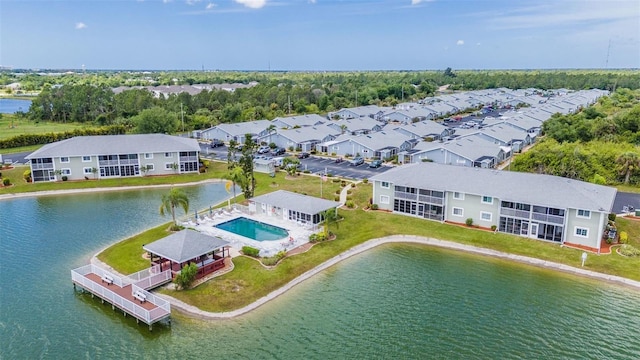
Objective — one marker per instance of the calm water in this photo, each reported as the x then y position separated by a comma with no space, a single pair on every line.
396,301
12,106
253,229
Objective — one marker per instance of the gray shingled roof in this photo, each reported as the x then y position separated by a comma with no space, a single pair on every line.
116,144
185,245
296,202
544,190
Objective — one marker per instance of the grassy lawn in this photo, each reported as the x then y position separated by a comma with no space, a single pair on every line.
26,126
250,281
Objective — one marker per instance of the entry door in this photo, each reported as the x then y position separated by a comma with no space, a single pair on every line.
534,230
524,228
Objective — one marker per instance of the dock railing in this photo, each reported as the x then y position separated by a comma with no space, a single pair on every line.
150,278
162,310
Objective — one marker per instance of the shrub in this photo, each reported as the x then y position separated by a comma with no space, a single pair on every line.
250,251
333,154
273,145
38,139
365,181
350,204
493,228
349,197
349,192
612,217
336,198
624,237
187,275
329,175
175,227
336,180
273,260
290,148
628,250
338,192
469,221
307,171
64,178
319,237
6,182
374,206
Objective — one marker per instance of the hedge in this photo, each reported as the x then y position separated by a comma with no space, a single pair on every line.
41,139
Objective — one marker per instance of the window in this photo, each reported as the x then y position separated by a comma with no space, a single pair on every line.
458,211
384,199
149,156
86,159
584,214
582,232
66,171
487,200
384,185
485,216
64,159
150,167
168,155
168,166
458,196
87,170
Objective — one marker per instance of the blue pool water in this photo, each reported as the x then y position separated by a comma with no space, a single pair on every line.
253,229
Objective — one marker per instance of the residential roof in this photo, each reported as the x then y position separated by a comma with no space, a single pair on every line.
423,128
301,120
116,144
356,124
471,147
308,133
297,202
243,128
538,189
185,245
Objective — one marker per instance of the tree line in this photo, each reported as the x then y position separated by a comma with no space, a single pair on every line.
598,144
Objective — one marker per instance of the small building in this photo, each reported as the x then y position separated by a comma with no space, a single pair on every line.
113,156
236,131
188,246
292,206
266,166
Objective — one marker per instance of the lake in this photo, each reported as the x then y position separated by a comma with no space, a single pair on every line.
395,301
12,106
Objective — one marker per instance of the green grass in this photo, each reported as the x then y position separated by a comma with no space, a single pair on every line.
25,126
250,281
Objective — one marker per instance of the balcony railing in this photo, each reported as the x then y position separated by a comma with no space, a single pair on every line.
48,166
431,199
523,214
554,219
404,195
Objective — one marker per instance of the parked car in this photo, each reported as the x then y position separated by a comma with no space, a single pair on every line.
264,149
339,160
375,164
303,155
278,151
356,161
277,161
216,142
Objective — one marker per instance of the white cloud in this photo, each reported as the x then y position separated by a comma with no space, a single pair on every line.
192,2
416,2
166,1
460,42
80,26
478,44
312,1
253,4
210,6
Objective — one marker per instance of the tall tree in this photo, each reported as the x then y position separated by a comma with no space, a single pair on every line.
236,175
246,163
271,129
155,121
629,163
175,198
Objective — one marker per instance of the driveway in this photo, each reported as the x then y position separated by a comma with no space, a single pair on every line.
319,165
625,199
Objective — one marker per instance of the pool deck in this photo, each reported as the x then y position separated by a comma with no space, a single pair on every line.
298,233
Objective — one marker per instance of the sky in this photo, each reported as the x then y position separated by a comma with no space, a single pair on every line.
320,35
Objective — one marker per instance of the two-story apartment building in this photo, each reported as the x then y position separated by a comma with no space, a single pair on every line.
537,206
110,156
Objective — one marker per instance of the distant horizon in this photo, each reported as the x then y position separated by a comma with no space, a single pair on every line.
320,35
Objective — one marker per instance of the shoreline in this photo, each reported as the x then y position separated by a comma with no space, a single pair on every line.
195,312
100,189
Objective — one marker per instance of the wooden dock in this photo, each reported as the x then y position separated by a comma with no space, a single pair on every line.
128,294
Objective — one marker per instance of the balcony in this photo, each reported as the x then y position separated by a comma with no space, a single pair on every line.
553,219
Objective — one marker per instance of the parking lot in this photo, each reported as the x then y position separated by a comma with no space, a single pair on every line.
315,165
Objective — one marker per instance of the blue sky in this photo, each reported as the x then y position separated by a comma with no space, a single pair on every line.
319,34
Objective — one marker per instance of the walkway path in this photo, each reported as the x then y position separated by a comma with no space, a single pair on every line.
191,310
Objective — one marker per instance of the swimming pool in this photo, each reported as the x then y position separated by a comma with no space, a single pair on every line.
252,229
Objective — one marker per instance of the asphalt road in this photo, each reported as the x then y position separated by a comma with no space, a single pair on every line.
16,158
625,199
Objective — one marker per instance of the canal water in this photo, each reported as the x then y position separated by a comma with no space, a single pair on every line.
12,106
395,301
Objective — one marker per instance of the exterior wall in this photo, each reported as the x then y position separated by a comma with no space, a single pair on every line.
215,133
350,147
593,225
380,192
442,157
473,207
76,166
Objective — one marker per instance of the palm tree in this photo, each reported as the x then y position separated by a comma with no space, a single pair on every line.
629,163
237,176
329,216
271,129
173,199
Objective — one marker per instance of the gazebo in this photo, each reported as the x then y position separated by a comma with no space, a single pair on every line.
188,246
292,206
